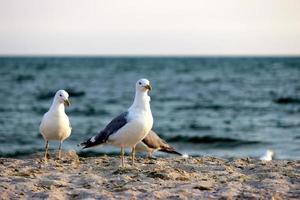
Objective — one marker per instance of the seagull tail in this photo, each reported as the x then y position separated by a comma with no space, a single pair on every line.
89,143
83,145
170,150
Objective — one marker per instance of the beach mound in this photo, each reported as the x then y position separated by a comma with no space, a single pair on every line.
101,177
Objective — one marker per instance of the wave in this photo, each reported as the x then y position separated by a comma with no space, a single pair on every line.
212,140
24,77
21,153
199,106
297,137
36,152
195,126
50,94
287,100
79,111
89,111
218,107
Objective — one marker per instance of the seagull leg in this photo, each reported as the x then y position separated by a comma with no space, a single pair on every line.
46,149
132,155
122,156
59,150
150,154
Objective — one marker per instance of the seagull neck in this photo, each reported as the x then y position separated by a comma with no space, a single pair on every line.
141,100
57,106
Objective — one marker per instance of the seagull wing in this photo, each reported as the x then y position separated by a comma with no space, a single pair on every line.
152,140
110,129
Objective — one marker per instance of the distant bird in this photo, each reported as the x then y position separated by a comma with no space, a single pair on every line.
267,156
55,124
152,142
130,127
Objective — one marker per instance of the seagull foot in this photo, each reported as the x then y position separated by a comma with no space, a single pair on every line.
152,158
59,155
122,166
46,157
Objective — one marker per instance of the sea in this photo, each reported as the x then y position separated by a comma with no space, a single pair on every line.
227,107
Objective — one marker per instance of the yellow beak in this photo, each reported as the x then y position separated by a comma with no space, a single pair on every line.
67,102
148,87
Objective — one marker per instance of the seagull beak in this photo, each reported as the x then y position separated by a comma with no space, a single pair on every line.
67,102
148,87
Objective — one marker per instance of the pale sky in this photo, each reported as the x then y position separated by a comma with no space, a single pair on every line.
150,27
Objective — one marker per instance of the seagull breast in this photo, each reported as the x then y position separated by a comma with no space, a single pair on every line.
55,126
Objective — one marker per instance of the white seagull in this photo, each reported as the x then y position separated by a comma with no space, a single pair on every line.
55,124
267,156
130,127
152,142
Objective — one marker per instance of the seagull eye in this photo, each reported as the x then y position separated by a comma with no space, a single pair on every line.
60,95
140,83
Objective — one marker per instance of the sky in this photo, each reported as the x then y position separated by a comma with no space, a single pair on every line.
149,27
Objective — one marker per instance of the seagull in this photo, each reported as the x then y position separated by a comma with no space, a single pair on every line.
152,142
130,127
268,156
55,124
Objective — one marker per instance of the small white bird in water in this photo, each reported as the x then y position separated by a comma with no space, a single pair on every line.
152,142
267,156
130,127
55,124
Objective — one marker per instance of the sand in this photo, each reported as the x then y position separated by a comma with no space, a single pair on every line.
101,177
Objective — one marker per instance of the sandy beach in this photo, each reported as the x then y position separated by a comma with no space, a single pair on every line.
75,177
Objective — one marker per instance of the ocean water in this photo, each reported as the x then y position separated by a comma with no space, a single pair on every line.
224,107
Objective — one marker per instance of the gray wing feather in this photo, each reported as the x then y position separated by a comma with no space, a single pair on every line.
152,140
110,129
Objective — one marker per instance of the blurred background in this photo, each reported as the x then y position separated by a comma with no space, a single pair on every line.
225,75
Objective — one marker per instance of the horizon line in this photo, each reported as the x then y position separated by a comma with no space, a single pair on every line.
149,55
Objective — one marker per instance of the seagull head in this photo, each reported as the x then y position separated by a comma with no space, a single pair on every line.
62,97
143,85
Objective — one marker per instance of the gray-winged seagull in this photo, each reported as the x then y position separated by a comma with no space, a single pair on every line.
152,142
130,127
55,124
